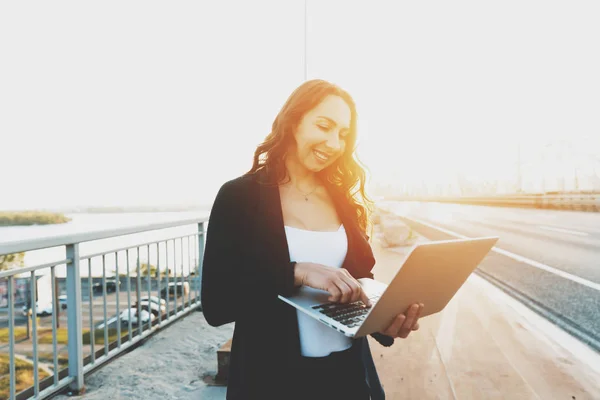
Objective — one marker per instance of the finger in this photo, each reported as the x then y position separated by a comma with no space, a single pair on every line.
363,296
411,318
393,329
334,292
354,286
415,327
345,289
365,299
419,312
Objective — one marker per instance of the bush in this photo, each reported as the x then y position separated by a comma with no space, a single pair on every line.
396,233
23,372
31,218
99,335
62,335
20,333
48,358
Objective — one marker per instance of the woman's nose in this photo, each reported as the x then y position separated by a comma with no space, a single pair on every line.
333,142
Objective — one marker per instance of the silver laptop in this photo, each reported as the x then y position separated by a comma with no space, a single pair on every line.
431,274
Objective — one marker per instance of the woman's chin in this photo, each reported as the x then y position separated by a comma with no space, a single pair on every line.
319,165
316,167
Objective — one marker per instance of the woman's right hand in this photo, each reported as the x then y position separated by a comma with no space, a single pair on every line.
342,287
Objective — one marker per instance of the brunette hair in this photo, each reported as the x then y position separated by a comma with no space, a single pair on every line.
345,178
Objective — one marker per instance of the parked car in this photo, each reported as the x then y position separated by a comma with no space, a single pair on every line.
151,306
111,286
41,310
148,310
62,300
131,314
154,299
180,288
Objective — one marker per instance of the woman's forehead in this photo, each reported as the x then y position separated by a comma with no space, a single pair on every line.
335,109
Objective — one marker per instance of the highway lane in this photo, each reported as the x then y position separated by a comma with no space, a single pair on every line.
549,259
567,240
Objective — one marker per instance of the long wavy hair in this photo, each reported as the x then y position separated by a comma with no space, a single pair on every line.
345,178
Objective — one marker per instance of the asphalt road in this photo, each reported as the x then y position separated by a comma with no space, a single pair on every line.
549,259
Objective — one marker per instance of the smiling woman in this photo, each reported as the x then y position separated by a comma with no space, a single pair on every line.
298,218
312,146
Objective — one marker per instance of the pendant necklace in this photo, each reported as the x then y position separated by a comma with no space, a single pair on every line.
307,194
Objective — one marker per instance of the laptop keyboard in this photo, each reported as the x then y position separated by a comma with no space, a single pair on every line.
349,314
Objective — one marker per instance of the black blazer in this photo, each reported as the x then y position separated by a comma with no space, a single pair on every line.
246,265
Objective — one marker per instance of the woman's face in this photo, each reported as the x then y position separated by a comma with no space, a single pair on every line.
321,134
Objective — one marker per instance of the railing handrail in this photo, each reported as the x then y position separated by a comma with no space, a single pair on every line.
186,266
18,246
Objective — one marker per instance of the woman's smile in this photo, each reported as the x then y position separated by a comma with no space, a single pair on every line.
321,156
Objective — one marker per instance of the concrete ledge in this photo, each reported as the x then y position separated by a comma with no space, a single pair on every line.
223,357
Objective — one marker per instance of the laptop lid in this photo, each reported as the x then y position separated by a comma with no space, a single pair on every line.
431,274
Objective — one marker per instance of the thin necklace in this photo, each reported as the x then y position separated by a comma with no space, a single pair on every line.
306,194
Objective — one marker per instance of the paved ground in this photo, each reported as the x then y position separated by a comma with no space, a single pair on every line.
170,365
484,345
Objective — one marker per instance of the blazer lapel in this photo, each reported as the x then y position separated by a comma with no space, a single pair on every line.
356,261
272,231
272,250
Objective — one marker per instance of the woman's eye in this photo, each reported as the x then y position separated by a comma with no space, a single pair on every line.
323,128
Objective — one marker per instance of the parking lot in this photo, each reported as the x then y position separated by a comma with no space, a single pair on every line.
116,303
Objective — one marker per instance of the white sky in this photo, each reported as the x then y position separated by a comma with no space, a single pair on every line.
120,103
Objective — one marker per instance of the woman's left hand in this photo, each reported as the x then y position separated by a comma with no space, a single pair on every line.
405,323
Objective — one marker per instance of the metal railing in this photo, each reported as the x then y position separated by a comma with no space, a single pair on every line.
568,201
163,292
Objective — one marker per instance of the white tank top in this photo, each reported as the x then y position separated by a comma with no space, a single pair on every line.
327,248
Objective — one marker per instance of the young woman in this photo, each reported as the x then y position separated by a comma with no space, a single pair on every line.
298,217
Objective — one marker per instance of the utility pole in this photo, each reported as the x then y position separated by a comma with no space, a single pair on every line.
305,40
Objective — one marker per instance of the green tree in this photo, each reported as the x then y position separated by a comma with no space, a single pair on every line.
144,269
153,270
10,261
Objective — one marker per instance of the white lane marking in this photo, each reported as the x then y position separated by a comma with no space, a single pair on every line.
561,230
536,264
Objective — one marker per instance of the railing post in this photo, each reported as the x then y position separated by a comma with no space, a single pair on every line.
75,331
201,235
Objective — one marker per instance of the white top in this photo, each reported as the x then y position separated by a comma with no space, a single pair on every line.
327,248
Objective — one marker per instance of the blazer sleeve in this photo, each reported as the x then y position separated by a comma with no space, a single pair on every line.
382,339
229,280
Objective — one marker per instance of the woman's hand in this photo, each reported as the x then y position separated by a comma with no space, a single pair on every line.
405,323
342,287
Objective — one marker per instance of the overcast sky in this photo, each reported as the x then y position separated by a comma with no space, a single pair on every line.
120,103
